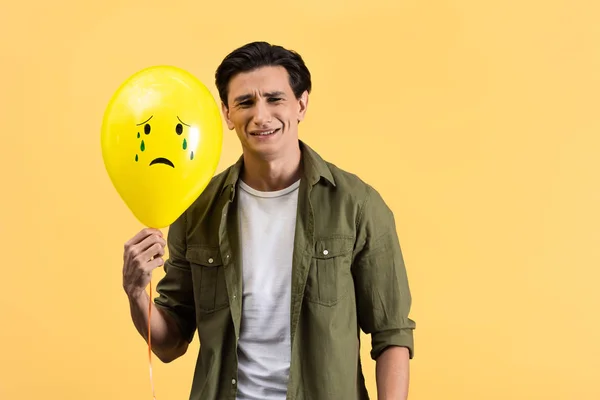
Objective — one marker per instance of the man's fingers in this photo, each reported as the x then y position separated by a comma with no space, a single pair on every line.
155,263
156,250
142,258
144,246
142,235
150,240
143,253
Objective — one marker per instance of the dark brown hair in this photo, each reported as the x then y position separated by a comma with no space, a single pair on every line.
261,54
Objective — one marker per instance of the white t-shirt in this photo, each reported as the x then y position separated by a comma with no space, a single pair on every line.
267,223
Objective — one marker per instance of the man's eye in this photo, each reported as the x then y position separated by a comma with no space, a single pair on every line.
246,103
275,99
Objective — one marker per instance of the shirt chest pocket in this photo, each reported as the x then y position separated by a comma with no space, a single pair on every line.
329,278
210,289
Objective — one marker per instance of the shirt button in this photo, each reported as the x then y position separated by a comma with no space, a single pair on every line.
233,381
210,260
325,251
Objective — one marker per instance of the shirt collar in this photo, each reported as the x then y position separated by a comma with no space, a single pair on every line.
315,168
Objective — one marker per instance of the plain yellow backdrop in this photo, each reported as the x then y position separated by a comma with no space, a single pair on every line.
478,121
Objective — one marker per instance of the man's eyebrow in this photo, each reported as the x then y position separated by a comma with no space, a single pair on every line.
276,93
241,98
244,97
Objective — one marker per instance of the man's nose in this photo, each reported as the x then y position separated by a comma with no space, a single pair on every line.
262,116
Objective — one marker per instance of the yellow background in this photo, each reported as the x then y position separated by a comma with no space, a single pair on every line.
478,121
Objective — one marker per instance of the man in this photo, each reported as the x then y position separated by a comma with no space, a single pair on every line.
280,262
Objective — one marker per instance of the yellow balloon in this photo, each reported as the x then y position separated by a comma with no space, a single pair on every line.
161,142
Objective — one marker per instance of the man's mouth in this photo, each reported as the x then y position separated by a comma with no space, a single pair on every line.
264,132
162,160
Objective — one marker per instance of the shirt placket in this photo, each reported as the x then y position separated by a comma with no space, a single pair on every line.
232,275
303,241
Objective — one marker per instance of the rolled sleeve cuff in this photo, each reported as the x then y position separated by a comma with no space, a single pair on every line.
184,326
395,337
175,297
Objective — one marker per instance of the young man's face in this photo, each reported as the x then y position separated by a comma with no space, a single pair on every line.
264,112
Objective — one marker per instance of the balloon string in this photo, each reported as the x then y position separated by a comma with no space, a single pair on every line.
150,340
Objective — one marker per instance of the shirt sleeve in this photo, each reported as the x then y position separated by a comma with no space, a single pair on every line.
175,290
382,290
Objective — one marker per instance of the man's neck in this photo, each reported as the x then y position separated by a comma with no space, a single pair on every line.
272,174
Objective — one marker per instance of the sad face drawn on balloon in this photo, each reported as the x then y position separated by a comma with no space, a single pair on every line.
165,158
161,141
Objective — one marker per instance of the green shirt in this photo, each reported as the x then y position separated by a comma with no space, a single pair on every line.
348,274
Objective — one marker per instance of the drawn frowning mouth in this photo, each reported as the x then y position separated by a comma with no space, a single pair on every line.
162,160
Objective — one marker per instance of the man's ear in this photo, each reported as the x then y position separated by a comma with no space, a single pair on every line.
226,115
303,105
